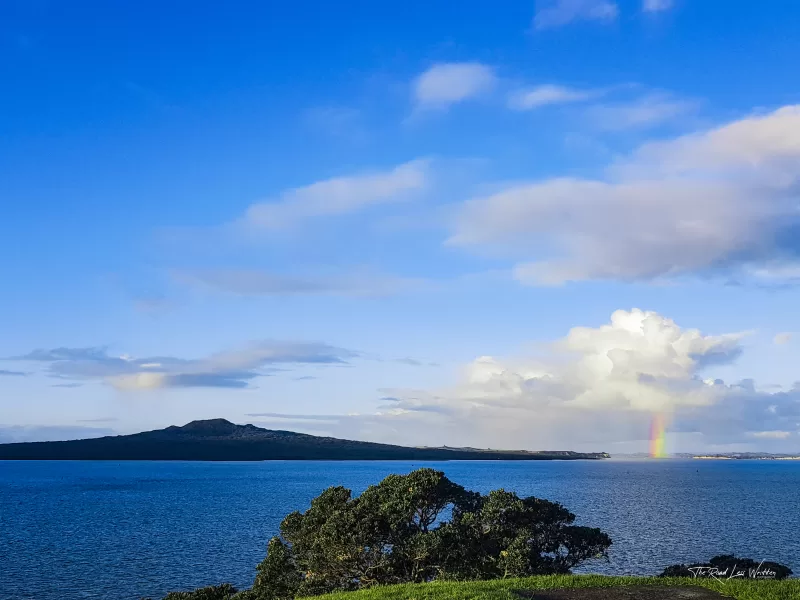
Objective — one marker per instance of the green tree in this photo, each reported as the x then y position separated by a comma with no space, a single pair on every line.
508,536
398,531
277,576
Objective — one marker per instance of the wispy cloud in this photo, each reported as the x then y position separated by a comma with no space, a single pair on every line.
337,196
557,13
65,354
782,338
253,282
548,94
5,373
446,84
653,6
274,415
772,435
649,111
413,362
231,369
41,433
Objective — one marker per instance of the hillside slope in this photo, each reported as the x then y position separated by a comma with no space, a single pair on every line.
220,440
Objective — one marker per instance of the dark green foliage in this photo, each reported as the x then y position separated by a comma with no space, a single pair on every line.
213,592
276,576
727,566
396,532
508,536
411,529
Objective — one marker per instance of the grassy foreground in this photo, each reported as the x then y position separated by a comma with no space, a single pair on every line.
503,589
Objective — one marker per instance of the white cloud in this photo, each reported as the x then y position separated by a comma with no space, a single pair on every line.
547,94
719,201
765,146
649,111
657,5
449,83
254,282
782,338
338,196
598,388
780,271
556,13
231,369
640,361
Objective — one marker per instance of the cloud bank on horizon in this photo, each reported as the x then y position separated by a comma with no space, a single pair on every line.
595,388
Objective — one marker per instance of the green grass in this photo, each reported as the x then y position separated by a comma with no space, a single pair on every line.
502,589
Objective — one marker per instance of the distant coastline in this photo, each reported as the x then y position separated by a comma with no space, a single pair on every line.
746,456
718,456
221,440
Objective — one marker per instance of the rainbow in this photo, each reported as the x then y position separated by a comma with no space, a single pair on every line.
657,437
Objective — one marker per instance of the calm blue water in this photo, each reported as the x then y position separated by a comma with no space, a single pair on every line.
71,530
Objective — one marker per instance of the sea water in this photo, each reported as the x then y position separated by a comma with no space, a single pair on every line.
124,530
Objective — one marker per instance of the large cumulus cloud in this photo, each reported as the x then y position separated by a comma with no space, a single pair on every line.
597,388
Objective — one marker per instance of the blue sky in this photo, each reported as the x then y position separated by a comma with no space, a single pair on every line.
408,224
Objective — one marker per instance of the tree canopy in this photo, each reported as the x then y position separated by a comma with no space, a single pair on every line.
413,528
420,527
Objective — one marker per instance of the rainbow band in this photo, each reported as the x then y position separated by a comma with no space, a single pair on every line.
657,437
